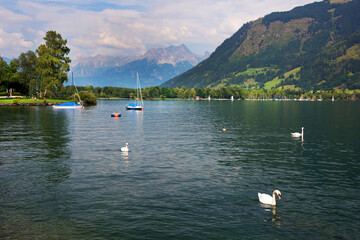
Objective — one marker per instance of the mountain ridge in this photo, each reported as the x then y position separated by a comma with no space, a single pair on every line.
154,67
281,42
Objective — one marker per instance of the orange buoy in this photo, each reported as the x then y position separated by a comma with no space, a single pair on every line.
116,115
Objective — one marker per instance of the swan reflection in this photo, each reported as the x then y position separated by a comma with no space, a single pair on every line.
125,155
275,217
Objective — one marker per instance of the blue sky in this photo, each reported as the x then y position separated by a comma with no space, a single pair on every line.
128,27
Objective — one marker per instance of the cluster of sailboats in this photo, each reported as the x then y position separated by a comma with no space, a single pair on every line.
138,105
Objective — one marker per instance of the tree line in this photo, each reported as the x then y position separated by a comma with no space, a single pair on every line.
220,93
40,73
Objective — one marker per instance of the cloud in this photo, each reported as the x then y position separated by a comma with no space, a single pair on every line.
131,26
10,42
9,17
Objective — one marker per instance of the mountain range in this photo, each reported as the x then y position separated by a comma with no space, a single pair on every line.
316,46
154,67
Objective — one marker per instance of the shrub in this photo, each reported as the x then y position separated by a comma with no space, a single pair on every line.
88,98
16,101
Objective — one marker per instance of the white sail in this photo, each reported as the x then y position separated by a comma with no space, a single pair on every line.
139,105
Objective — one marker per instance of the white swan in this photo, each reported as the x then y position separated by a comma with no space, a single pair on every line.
267,199
296,134
126,148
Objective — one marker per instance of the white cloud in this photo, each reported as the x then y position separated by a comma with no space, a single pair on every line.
132,26
9,17
10,42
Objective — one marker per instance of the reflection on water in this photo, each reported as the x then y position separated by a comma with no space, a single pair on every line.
275,217
63,176
35,158
125,155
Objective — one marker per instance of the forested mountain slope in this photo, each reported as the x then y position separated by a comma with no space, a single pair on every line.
316,46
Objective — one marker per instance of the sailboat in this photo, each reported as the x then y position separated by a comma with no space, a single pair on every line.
70,105
139,104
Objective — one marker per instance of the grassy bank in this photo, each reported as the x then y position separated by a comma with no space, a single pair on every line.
32,101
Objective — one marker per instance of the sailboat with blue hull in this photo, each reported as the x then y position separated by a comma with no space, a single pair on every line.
139,104
70,105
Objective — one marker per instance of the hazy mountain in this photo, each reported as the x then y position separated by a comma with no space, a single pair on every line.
154,67
87,66
316,46
172,55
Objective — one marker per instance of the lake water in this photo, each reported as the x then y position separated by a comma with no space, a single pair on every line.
63,176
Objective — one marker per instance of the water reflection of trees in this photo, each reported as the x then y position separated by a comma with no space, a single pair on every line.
35,161
54,132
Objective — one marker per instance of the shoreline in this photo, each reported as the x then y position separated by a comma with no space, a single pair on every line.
26,104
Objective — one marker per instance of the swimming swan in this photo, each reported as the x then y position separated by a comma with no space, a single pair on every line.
296,134
125,149
267,199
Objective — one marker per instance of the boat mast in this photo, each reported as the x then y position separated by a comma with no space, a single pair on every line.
72,78
139,89
73,82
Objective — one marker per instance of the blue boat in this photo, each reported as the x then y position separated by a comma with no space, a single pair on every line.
67,105
134,106
70,105
139,105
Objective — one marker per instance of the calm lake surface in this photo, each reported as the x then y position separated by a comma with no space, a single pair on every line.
63,176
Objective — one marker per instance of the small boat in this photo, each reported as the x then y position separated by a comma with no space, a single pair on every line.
139,105
67,105
134,106
70,105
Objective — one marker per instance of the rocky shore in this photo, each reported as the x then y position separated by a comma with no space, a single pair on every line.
26,104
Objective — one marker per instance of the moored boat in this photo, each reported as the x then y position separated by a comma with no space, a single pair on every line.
70,105
67,105
139,105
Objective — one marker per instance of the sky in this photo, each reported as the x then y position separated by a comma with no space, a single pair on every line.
128,27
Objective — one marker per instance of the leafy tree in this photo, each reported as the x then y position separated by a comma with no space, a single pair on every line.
190,93
167,92
52,64
154,92
8,76
88,98
27,75
3,67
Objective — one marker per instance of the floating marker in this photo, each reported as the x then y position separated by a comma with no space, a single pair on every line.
116,115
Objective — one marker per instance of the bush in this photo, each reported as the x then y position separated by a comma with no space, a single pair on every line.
16,101
88,98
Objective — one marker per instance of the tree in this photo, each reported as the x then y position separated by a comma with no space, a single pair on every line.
52,64
27,75
192,93
8,75
154,92
3,67
166,92
88,98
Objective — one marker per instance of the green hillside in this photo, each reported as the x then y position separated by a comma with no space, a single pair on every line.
312,47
